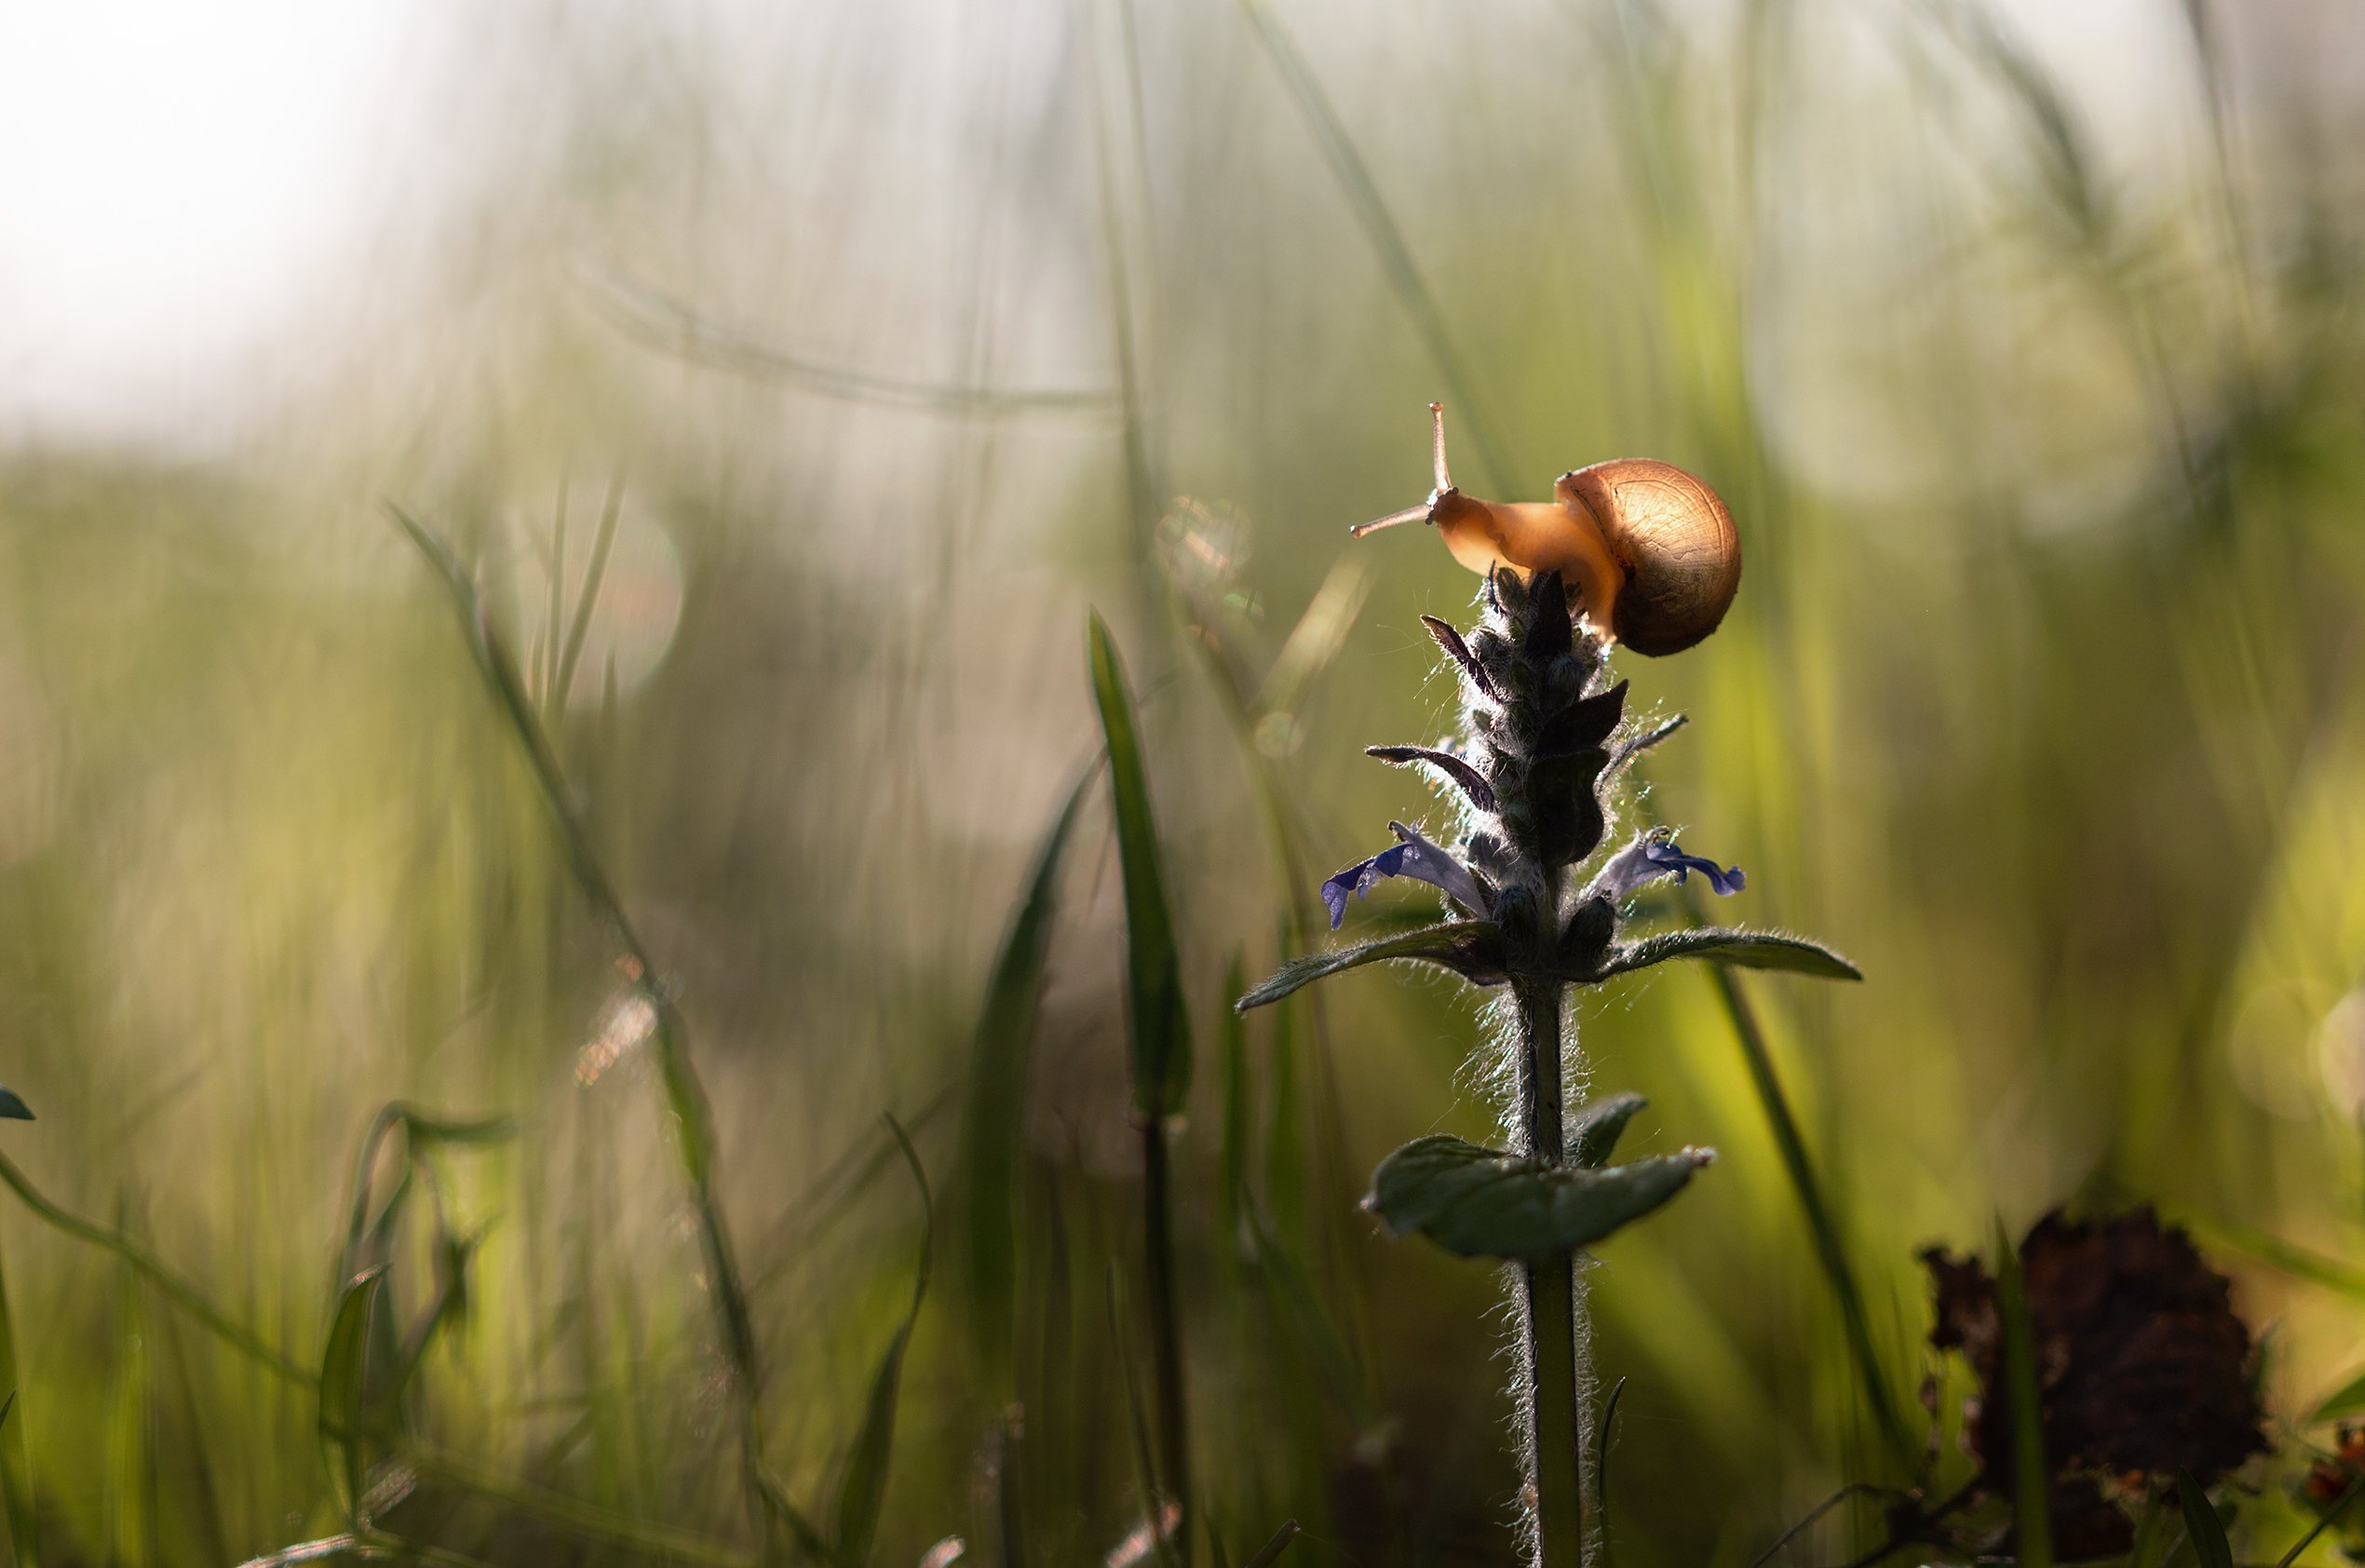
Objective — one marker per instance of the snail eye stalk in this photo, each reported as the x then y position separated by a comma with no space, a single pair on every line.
1409,514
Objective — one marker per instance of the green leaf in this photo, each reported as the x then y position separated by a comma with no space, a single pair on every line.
864,1488
2206,1531
341,1369
16,1450
13,1108
1472,948
1592,1130
1479,1203
998,1061
1161,1029
1744,950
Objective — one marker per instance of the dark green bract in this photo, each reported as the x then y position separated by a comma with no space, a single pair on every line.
1481,1203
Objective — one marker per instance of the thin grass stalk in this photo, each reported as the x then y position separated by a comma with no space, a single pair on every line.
670,326
585,1521
1009,1510
1166,1328
2340,1506
1272,1550
1160,1047
2032,1510
1146,1477
1141,483
176,1290
555,610
16,1449
685,1095
1242,712
593,575
1385,235
1831,1247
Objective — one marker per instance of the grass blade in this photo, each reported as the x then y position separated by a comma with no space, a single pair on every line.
1386,238
16,1449
1161,1036
1272,1550
2340,1506
1009,1511
863,1491
1141,483
129,1495
2346,1400
1165,1330
555,607
998,1065
1830,1249
1238,1128
685,1095
2202,1526
1302,1326
588,1522
2146,1553
2032,1510
1161,1031
1145,1478
174,1288
1601,1470
593,575
659,319
341,1364
417,1129
2299,1262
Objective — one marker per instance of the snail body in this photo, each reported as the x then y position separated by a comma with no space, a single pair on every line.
1647,550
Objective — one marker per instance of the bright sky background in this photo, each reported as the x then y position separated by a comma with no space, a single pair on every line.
178,182
187,188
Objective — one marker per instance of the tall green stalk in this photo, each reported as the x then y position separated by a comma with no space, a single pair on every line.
1540,757
1160,1040
1556,1334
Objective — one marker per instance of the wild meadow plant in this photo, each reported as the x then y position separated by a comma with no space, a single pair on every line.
1651,559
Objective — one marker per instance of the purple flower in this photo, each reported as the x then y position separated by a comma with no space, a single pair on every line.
1656,854
1415,857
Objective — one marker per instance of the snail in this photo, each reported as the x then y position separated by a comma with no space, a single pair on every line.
1646,549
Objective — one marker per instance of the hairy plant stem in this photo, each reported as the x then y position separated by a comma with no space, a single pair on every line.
1552,1384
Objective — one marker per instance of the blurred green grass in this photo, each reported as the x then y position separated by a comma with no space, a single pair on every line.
2040,700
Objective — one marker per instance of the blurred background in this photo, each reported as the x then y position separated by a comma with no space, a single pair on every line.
792,379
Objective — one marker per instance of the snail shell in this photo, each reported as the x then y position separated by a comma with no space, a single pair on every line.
1647,550
1678,554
